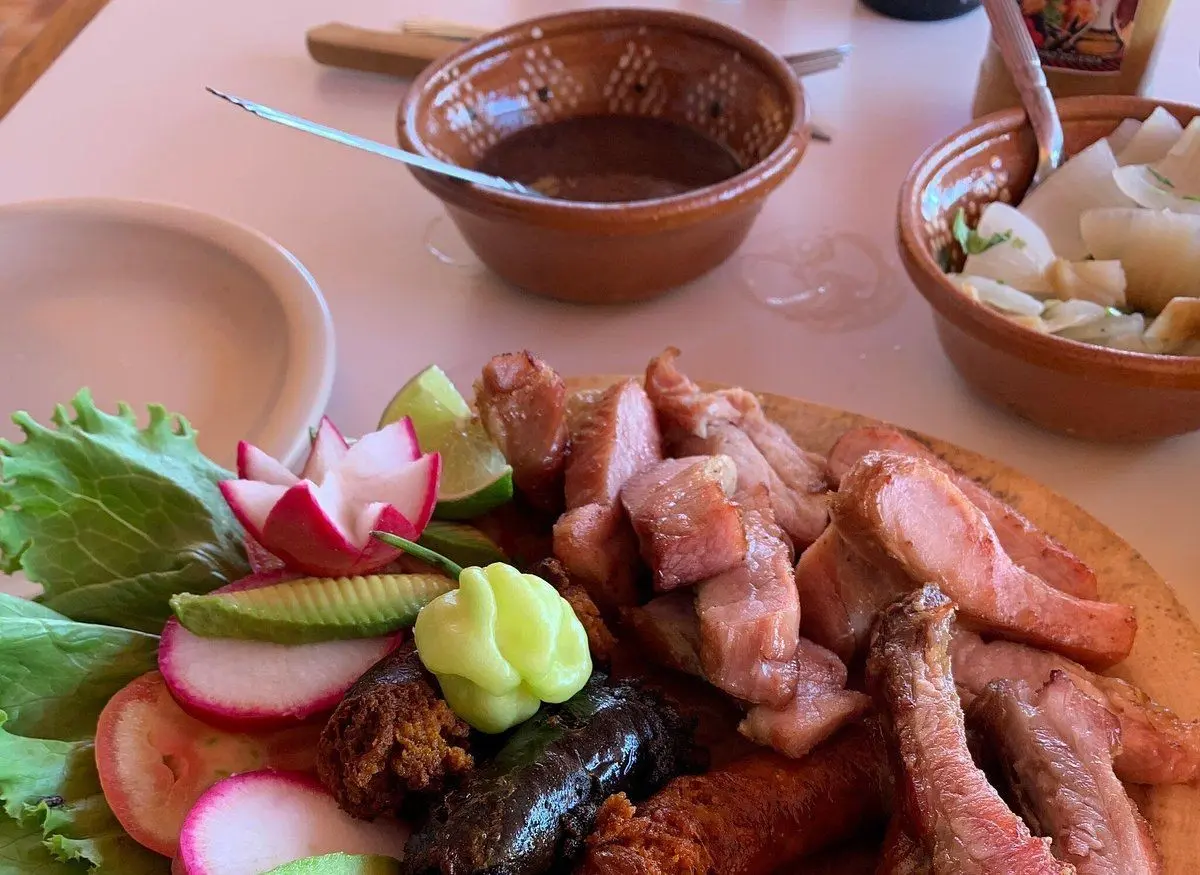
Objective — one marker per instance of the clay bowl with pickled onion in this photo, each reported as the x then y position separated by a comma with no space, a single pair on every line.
1079,349
651,139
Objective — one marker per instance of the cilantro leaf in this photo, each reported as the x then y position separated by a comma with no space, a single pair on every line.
1162,180
970,240
113,519
56,675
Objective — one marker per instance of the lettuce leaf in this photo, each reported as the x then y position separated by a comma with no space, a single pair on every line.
112,519
56,675
23,852
51,789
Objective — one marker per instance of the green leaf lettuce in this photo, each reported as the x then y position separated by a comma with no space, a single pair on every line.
56,675
112,519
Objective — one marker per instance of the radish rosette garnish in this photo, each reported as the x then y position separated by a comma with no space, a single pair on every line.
320,523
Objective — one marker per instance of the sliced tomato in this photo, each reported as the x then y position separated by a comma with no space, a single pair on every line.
155,761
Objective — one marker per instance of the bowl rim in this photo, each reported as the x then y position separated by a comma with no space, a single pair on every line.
1058,353
752,183
308,330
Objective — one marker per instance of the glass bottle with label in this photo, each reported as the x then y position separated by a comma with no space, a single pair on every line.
1086,47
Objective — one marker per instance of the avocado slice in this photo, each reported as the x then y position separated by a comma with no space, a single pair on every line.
312,609
339,864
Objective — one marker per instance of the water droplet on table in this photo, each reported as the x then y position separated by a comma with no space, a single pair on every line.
444,243
838,281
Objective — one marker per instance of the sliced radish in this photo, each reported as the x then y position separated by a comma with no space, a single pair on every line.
329,447
252,502
322,526
255,685
155,761
262,560
251,823
254,464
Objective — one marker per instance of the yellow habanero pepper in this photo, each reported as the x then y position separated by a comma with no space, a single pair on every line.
500,645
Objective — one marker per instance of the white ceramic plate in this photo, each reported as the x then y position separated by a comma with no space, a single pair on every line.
149,303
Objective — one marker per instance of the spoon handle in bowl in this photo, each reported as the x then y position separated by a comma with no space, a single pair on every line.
1025,67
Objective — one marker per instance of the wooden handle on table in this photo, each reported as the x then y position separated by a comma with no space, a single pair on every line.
392,53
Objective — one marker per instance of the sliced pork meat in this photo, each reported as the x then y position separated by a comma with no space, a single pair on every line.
899,511
597,546
732,423
1025,543
902,854
749,616
840,594
667,630
522,404
1157,747
614,435
687,525
820,707
612,438
750,817
958,817
1054,747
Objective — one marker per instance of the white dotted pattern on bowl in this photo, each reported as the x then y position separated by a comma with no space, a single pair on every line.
638,83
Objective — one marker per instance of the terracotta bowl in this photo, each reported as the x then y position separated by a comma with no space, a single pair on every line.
1070,387
641,62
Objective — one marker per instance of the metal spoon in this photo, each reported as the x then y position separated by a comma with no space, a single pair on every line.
1021,58
425,163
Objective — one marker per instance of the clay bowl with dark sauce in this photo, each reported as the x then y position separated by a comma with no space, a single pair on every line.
1087,391
652,138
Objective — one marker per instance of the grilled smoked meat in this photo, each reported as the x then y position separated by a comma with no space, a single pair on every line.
956,814
614,435
749,817
732,423
522,405
750,615
1157,746
392,737
1025,543
1054,747
687,525
900,511
528,810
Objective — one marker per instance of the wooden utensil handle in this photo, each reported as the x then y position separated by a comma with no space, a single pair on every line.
391,53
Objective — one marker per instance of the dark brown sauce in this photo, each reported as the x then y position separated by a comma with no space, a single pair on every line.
610,158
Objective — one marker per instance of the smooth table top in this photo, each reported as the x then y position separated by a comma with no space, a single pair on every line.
123,113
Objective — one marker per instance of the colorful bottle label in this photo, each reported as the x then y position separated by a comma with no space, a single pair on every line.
1084,36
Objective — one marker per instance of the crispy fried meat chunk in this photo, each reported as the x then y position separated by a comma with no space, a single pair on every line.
601,642
392,738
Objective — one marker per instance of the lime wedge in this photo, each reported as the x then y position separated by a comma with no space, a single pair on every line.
475,475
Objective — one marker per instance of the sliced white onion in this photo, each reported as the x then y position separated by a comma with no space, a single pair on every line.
1148,187
1152,141
1121,330
1121,137
1062,315
1100,281
1084,182
998,295
1160,252
1021,260
1177,328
